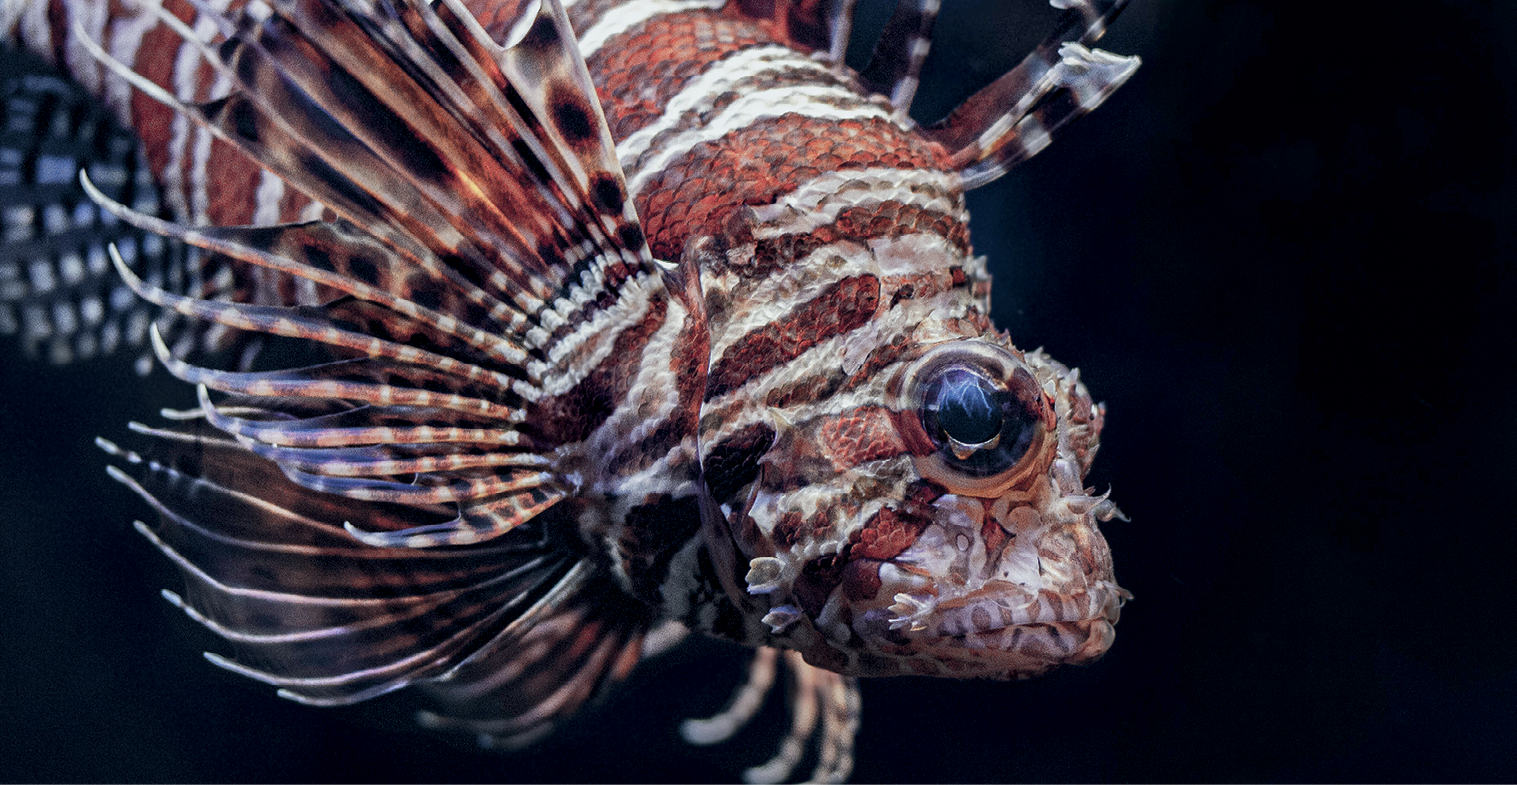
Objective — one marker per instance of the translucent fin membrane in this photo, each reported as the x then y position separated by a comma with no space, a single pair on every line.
514,690
307,608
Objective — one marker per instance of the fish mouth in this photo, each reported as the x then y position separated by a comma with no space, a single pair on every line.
996,608
1011,635
1006,596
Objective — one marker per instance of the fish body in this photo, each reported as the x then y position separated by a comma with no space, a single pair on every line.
636,316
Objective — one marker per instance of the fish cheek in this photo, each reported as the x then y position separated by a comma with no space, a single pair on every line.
734,463
866,612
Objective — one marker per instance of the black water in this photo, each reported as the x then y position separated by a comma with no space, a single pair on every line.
1283,255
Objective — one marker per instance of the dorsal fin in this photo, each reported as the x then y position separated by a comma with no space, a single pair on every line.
1014,117
895,69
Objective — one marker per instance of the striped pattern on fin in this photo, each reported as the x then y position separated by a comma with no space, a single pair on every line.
1015,117
483,256
812,693
895,69
306,608
401,354
516,689
495,161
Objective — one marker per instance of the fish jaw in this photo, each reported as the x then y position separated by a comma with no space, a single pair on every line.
985,595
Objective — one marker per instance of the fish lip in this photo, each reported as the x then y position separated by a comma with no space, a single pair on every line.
1102,602
1003,653
1048,573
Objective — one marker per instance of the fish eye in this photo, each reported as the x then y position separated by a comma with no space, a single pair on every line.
983,417
979,427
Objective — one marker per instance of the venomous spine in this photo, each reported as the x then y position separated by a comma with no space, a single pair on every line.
620,318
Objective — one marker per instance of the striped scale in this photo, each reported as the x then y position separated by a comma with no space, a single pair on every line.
621,318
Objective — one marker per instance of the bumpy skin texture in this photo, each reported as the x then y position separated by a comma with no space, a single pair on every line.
696,191
835,254
798,428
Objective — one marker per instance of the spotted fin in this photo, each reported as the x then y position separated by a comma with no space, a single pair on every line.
481,263
58,293
1015,117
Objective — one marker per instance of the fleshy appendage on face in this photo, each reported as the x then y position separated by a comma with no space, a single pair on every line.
945,531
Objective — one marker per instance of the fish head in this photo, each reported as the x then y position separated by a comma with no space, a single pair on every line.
941,527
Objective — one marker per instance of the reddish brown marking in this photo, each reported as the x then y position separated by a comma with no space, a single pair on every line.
759,9
231,176
155,60
734,462
810,388
892,219
573,117
842,307
748,531
909,425
816,582
922,496
994,536
292,205
862,435
497,17
232,192
806,24
823,384
697,192
57,20
637,72
861,579
791,529
886,535
574,415
862,223
898,349
687,360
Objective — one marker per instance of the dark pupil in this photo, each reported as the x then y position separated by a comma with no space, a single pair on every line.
973,410
967,408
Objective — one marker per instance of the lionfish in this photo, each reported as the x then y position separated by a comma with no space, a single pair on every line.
559,328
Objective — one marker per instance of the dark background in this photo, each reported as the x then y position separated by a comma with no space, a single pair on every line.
1282,254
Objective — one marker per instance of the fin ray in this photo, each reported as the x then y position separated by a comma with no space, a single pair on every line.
896,67
1013,118
306,607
